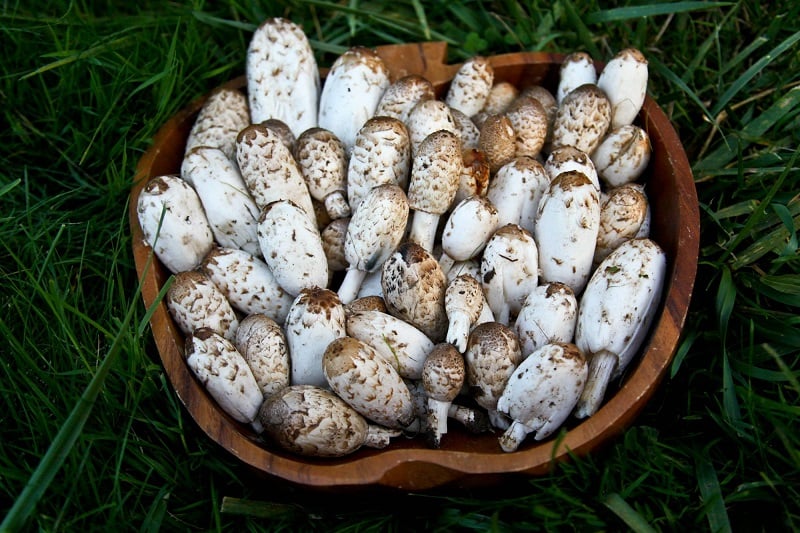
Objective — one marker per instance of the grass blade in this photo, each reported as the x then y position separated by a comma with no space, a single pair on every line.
651,10
743,80
711,494
627,514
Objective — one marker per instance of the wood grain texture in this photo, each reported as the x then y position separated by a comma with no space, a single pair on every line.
463,459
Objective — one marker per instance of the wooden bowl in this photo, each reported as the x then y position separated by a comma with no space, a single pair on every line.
463,459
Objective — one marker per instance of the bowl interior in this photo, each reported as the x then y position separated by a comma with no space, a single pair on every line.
463,459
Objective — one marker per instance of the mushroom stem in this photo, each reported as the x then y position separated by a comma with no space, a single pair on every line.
474,420
437,420
446,262
513,436
351,283
423,229
379,436
498,419
601,367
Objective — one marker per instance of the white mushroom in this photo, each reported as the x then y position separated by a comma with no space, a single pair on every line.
269,169
224,373
491,357
470,85
442,378
173,222
624,80
230,210
247,282
500,97
622,215
474,419
367,382
582,120
548,315
381,154
413,288
312,421
292,247
509,270
354,86
194,302
566,229
262,343
427,117
577,69
529,121
323,164
315,319
223,115
546,98
469,225
468,131
282,75
435,172
615,313
463,302
568,158
402,95
623,155
516,189
374,232
542,392
404,346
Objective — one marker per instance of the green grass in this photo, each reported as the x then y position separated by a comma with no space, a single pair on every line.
85,85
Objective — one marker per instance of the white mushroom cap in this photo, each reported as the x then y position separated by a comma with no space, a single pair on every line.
544,97
622,215
402,95
315,319
443,377
425,118
333,236
583,119
404,346
529,121
224,373
315,422
468,131
354,86
470,85
413,288
262,343
322,161
566,229
292,247
463,302
195,302
509,270
469,225
491,357
223,115
500,97
173,222
516,190
548,315
367,382
282,75
568,158
624,80
623,155
542,392
435,174
381,154
282,130
247,282
374,232
230,210
269,169
577,69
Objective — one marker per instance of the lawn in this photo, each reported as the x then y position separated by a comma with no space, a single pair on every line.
92,434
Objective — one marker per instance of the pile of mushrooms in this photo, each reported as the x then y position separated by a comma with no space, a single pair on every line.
360,260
